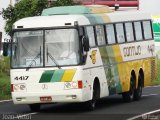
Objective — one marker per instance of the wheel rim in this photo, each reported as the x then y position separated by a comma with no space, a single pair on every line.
140,91
132,88
139,86
93,103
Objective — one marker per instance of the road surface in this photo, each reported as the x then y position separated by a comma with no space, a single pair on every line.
109,108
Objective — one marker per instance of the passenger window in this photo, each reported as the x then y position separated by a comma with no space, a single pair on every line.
147,30
110,34
129,32
120,33
100,35
91,37
138,31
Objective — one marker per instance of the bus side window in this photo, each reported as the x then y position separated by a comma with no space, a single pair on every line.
147,30
100,35
120,33
138,31
129,32
91,36
110,34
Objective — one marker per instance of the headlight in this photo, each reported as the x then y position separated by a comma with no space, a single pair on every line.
19,87
73,85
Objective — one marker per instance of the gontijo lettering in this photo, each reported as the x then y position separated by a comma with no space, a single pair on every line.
132,51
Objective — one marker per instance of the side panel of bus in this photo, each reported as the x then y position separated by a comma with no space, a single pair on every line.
120,61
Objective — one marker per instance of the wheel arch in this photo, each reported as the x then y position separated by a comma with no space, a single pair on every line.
98,85
133,74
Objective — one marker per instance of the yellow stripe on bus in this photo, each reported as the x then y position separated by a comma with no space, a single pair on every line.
100,9
117,53
105,18
68,75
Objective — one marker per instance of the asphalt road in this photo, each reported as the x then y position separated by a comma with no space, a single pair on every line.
109,108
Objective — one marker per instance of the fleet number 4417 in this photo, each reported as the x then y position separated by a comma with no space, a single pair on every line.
21,77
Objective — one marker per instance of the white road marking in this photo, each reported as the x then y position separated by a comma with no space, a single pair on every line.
144,114
25,115
152,86
150,95
5,100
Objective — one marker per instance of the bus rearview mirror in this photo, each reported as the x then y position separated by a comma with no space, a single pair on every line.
5,49
85,43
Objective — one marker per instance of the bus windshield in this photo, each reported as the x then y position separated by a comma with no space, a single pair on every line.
40,48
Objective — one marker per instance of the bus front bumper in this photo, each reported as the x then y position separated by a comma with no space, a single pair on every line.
74,95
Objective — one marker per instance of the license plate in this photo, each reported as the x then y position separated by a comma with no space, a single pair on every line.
46,99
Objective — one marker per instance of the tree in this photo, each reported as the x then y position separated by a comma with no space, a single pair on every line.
28,8
65,3
24,8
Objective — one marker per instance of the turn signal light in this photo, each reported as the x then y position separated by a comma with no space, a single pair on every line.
12,89
80,84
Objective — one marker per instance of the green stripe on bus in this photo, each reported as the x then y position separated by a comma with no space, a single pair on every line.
46,76
112,73
94,19
57,76
66,10
115,71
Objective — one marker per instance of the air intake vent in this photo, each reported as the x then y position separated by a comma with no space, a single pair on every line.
19,26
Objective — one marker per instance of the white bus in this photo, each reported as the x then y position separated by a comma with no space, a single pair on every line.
81,54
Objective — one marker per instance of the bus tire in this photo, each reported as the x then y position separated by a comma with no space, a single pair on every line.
91,104
128,96
34,107
138,91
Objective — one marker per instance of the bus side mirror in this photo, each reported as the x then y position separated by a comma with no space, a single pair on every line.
5,48
85,43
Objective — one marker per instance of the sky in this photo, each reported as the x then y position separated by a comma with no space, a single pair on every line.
3,4
151,6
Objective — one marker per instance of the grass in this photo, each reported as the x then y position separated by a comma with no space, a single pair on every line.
4,86
157,80
4,78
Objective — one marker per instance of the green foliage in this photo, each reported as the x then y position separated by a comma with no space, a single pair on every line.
5,65
28,8
24,8
65,3
4,78
5,89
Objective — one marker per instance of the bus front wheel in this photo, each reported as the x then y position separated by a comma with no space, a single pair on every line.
96,95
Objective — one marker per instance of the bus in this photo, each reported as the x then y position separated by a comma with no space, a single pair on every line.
81,54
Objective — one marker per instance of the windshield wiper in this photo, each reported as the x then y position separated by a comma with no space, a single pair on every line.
53,59
34,60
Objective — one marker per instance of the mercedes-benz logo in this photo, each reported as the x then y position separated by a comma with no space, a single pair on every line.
44,86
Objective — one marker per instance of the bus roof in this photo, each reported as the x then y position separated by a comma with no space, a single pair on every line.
82,18
79,9
51,21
